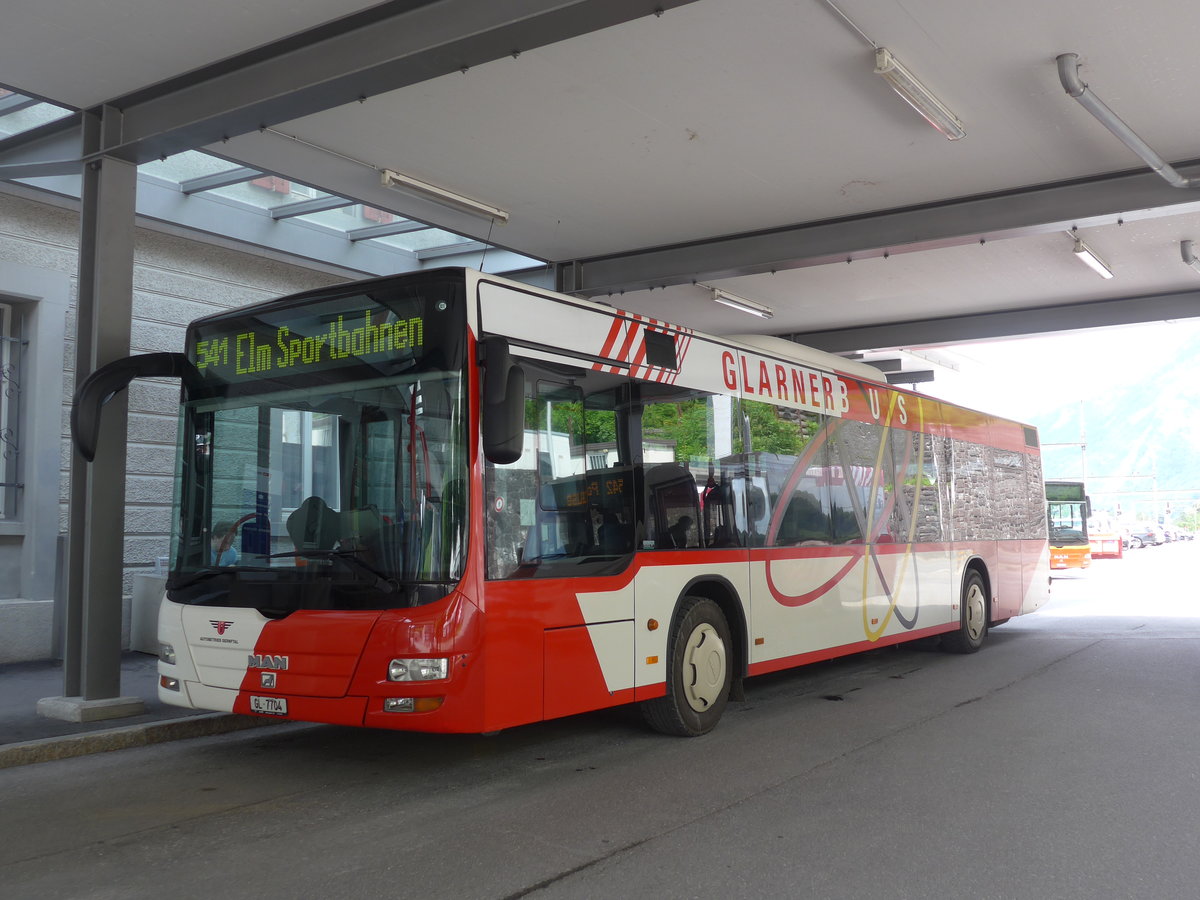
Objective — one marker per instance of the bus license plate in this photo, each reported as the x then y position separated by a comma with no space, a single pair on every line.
271,706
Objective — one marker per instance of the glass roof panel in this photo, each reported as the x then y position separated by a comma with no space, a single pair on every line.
267,192
182,166
19,113
273,192
352,218
342,219
423,240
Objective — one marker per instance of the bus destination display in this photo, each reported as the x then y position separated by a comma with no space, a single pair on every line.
295,348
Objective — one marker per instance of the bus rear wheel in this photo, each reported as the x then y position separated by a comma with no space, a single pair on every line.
699,673
973,614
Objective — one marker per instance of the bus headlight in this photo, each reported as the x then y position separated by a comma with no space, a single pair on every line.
418,669
166,653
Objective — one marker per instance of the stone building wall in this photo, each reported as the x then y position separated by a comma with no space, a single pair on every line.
175,280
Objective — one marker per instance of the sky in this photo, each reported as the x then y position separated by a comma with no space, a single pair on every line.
1015,378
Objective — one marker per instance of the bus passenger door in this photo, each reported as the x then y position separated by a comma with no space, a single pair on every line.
561,534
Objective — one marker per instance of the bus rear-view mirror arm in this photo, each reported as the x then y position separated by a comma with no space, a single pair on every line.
503,402
109,380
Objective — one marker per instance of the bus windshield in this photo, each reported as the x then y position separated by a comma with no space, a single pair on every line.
1068,523
323,460
1067,508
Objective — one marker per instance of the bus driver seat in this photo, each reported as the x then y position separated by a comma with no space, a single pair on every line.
313,525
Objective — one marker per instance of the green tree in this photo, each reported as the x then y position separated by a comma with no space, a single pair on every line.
776,429
685,422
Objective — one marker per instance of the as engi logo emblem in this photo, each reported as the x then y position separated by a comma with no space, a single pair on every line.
221,626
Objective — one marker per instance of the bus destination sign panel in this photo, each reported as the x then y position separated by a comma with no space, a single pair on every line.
252,347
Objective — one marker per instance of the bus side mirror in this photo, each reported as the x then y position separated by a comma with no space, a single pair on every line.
503,402
107,381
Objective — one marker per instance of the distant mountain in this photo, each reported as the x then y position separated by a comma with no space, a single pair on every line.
1149,427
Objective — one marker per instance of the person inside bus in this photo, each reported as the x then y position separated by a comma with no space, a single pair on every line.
679,531
227,556
612,535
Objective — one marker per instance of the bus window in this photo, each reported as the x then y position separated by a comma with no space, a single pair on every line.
691,444
787,469
672,506
860,482
566,506
917,509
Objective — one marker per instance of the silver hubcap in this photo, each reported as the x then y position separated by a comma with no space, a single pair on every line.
703,667
976,611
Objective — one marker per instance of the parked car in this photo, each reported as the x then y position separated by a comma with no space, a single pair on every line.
1143,534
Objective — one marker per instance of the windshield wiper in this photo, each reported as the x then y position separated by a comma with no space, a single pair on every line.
546,557
202,575
382,580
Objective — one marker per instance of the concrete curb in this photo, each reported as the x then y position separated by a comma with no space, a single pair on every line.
68,746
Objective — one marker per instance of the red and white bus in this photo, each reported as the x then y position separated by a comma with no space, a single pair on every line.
450,502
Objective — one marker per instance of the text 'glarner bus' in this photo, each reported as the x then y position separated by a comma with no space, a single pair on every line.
449,502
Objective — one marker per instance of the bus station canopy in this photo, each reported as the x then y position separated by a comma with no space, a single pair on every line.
651,150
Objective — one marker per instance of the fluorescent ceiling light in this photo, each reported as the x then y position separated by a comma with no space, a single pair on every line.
918,96
741,303
1189,255
399,181
1088,257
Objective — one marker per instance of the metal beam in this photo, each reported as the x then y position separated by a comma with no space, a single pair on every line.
404,226
922,376
1010,323
305,207
51,149
383,49
239,175
885,365
1101,200
451,250
16,102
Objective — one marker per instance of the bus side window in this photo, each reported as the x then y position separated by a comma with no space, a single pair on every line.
684,433
672,504
805,521
789,469
719,501
862,479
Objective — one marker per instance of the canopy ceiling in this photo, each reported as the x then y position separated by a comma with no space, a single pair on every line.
650,149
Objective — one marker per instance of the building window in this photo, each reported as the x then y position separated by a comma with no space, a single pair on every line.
12,348
377,215
273,183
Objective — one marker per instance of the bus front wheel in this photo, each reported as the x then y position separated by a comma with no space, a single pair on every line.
973,613
699,672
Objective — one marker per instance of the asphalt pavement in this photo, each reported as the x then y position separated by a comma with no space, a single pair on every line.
26,736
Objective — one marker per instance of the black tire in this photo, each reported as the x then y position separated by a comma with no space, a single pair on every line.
973,617
699,672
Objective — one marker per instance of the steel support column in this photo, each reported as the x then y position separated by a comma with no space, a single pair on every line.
96,533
